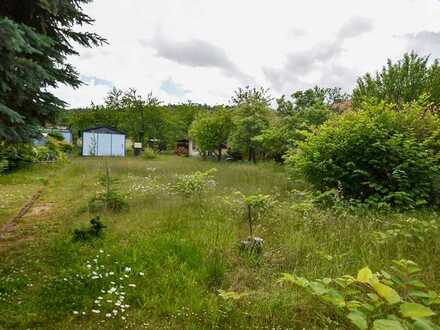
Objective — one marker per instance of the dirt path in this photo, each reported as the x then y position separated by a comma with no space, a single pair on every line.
8,230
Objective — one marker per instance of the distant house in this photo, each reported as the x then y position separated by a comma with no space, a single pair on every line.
186,147
64,132
67,134
103,141
192,148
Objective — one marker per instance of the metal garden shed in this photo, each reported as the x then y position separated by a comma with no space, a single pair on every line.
103,141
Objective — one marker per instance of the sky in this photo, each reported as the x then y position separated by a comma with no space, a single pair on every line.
202,50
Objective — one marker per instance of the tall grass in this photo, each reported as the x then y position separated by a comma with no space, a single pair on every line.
181,251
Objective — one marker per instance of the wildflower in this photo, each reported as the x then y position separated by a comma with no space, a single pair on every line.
101,251
108,315
96,311
132,285
75,312
141,274
127,269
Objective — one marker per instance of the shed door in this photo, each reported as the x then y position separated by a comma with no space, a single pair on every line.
118,145
90,144
104,145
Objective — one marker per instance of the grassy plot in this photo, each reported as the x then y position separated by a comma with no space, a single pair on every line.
161,263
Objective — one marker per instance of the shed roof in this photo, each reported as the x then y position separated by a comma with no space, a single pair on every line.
104,129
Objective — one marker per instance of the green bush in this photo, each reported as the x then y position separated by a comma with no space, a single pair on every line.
149,154
194,184
110,198
15,155
90,233
394,299
375,155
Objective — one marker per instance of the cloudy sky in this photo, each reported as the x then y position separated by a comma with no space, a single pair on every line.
202,50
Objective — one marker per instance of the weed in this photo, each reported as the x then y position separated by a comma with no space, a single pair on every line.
93,232
194,184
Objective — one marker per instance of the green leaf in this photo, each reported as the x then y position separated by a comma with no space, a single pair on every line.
364,275
318,288
334,297
387,325
418,294
358,319
416,283
386,292
226,295
415,311
424,324
300,281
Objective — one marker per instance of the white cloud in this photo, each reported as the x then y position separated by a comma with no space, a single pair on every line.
424,43
356,26
172,88
196,53
202,50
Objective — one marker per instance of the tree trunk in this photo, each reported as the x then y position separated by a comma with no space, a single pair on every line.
142,135
253,156
219,155
251,233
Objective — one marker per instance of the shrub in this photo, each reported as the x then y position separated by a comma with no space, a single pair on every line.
87,234
15,155
256,206
396,299
109,199
149,154
376,155
194,184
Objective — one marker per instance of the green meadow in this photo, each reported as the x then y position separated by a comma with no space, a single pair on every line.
162,262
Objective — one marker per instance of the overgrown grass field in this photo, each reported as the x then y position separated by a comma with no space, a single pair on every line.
161,263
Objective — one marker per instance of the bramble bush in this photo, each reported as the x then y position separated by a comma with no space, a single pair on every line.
375,155
149,154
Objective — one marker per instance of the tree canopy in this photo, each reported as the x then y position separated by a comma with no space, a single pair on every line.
401,82
211,131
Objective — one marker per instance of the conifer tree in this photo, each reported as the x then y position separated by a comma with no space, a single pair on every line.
36,36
